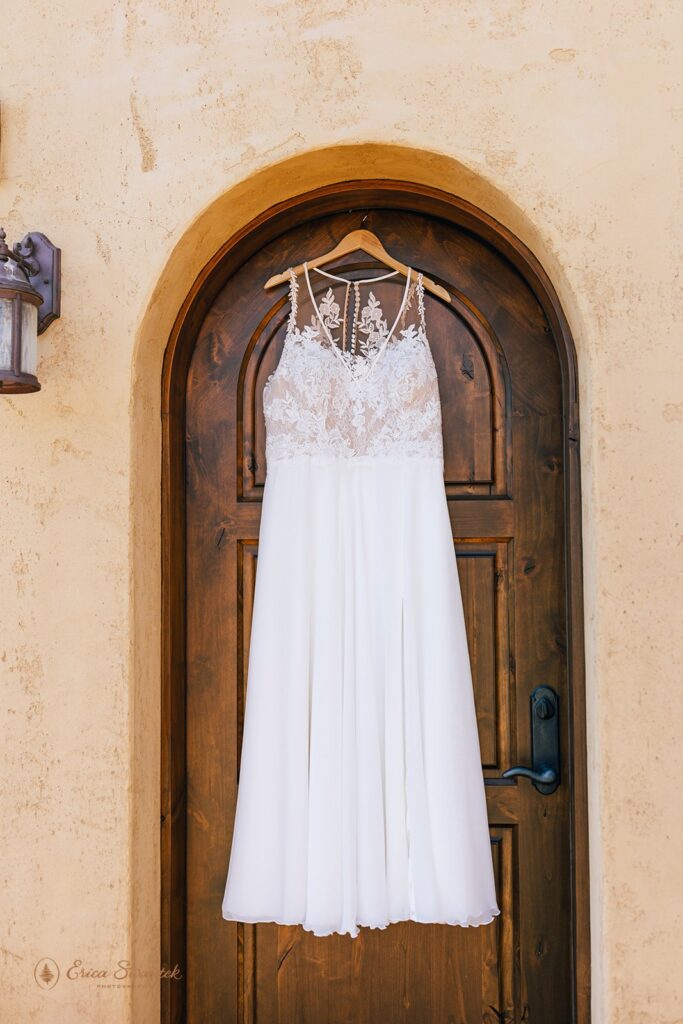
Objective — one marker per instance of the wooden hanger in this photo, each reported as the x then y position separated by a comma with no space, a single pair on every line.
351,242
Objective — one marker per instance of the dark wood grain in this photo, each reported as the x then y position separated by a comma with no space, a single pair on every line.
507,378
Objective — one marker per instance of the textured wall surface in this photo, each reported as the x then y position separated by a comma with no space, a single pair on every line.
138,137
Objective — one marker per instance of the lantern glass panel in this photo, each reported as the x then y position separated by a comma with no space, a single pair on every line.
6,310
29,337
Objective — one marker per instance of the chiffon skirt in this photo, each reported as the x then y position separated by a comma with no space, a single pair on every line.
361,797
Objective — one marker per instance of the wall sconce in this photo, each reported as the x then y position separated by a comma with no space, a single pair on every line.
30,276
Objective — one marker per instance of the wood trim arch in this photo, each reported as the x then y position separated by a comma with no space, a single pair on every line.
269,224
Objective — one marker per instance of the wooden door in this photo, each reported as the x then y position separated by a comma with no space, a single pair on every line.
507,430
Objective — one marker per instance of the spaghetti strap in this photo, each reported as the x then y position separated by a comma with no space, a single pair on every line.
417,289
293,301
421,302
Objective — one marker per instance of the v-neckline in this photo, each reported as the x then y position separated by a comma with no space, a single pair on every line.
390,334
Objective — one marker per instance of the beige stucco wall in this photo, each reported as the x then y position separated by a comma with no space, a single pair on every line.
138,137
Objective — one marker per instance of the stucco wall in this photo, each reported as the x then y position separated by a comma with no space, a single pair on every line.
138,137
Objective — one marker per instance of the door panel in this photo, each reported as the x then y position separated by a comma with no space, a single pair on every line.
501,390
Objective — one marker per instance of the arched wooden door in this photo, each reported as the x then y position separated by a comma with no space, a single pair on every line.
507,385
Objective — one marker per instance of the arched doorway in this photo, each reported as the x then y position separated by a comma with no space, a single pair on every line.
508,381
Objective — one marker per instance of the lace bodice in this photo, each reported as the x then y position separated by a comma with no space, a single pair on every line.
375,396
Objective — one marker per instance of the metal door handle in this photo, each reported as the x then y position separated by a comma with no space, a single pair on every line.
545,742
546,775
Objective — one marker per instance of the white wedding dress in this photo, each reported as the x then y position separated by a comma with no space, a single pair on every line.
360,794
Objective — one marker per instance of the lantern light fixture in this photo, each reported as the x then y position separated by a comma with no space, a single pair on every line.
30,277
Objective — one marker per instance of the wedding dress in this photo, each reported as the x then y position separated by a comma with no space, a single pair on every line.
360,793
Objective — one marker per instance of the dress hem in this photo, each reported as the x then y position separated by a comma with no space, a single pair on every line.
473,921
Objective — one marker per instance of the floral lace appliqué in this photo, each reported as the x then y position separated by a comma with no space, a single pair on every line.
330,309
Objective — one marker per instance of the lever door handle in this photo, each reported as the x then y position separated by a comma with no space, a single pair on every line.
545,742
547,775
